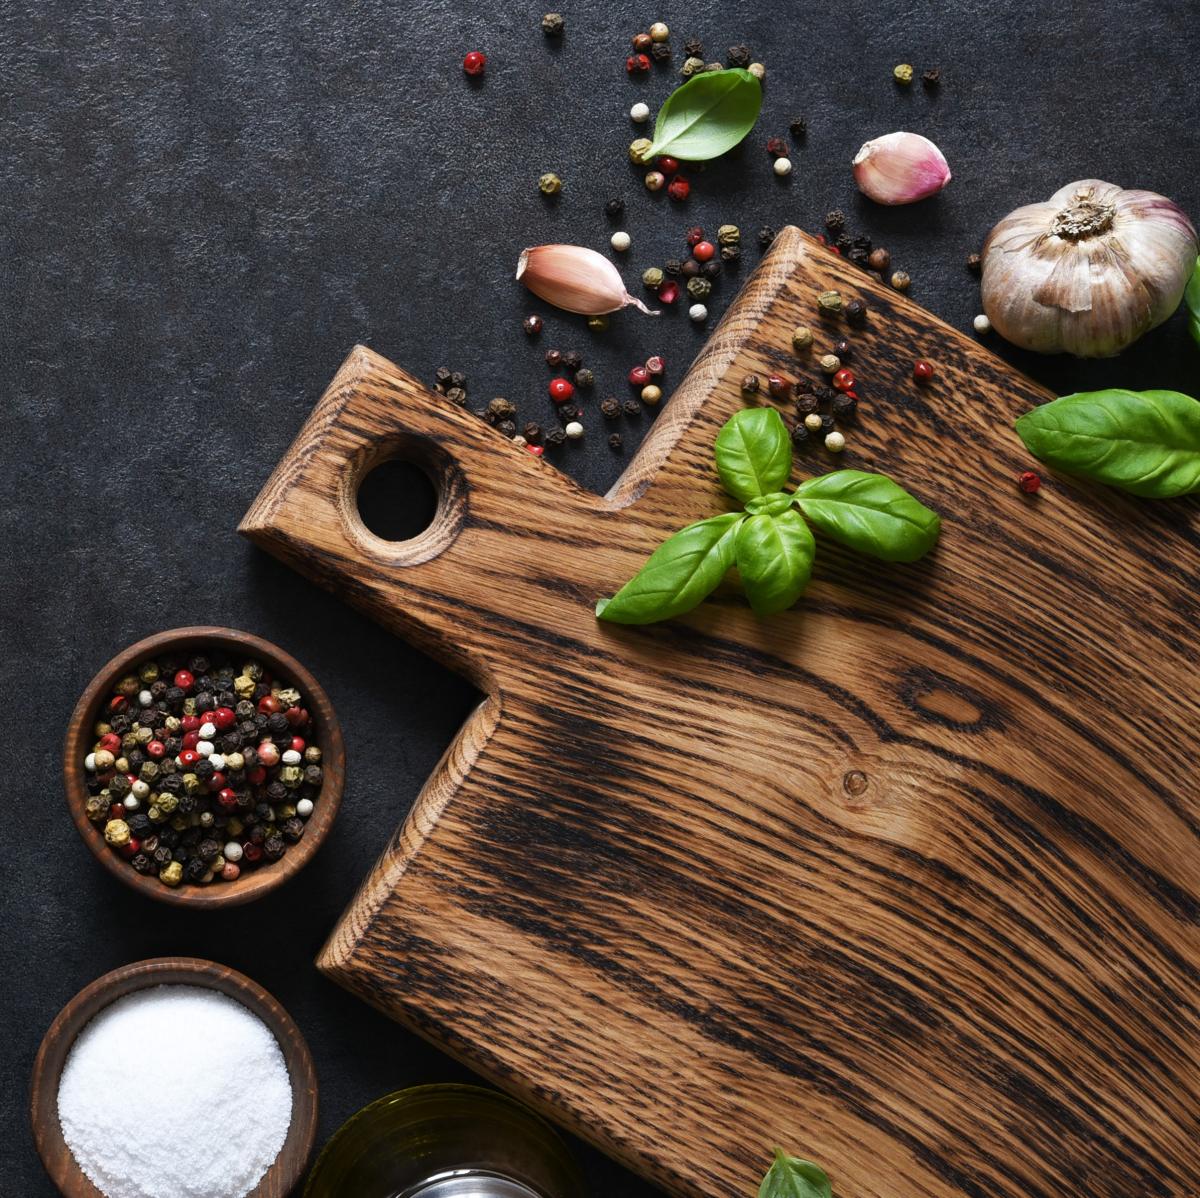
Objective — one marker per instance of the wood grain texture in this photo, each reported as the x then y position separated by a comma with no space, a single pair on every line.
292,1160
905,880
254,883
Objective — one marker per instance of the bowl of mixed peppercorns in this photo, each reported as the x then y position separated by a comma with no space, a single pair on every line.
204,766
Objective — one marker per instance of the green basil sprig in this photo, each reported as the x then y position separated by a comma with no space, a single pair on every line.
791,1177
1191,300
708,115
1145,442
770,542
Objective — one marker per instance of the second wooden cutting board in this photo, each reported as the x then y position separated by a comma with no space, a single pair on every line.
905,880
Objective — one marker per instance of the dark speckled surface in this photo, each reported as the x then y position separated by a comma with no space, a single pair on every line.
203,206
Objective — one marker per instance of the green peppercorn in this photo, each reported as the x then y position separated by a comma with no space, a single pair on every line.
128,686
313,754
243,686
172,875
291,776
116,833
638,148
829,303
730,253
652,278
553,24
597,324
148,673
699,288
729,235
691,66
903,73
713,66
549,184
802,338
97,808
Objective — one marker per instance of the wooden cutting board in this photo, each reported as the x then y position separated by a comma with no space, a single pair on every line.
905,880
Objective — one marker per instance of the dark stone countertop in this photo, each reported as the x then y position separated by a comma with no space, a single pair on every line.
202,207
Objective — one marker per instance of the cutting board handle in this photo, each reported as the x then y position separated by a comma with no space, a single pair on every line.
443,587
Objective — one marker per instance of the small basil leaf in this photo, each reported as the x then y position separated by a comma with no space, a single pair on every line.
754,453
708,115
869,513
1145,442
791,1177
1191,299
773,504
677,575
774,556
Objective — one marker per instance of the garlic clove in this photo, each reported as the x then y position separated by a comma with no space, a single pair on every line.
576,279
900,168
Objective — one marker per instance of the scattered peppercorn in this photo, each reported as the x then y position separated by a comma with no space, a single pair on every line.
475,63
778,386
728,235
766,235
711,270
750,384
777,147
903,73
652,278
843,349
738,56
614,208
829,363
974,263
668,293
879,259
694,47
533,325
584,377
691,66
655,365
598,324
835,221
441,379
654,180
636,64
799,433
672,266
553,24
500,409
610,408
553,358
798,128
806,403
758,71
802,338
845,409
829,303
641,42
931,78
922,370
555,437
1029,482
638,148
549,184
844,243
532,433
632,407
730,253
651,394
679,189
856,313
659,32
572,359
699,288
215,721
614,441
901,281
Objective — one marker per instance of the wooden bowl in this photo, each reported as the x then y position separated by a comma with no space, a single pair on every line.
292,1160
253,883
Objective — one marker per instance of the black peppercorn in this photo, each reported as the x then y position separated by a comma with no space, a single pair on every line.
584,377
572,359
806,404
845,243
690,269
862,242
799,433
974,263
161,857
507,427
142,863
195,869
205,701
835,221
458,379
660,52
532,433
672,266
456,395
199,665
750,384
203,769
824,394
731,253
292,829
827,423
273,847
845,409
798,128
931,78
441,380
277,722
313,775
614,208
858,257
766,235
632,407
555,437
856,313
208,849
739,56
693,48
843,349
804,386
610,408
614,441
553,358
711,269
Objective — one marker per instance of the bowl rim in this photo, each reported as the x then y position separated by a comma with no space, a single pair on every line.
265,877
288,1167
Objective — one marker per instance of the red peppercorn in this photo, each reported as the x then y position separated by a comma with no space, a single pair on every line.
298,744
257,776
117,703
110,741
638,63
131,847
268,705
778,385
667,164
694,235
922,370
1029,482
656,365
679,188
224,717
639,376
188,757
668,293
191,739
777,147
561,390
702,251
252,852
475,63
532,324
184,680
641,41
217,781
535,450
227,799
844,380
190,722
155,749
296,716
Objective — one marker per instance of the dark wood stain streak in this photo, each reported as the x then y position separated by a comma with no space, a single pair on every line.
640,891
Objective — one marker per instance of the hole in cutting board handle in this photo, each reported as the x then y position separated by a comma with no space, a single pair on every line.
405,499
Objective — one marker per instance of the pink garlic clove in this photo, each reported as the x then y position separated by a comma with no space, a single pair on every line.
900,168
576,279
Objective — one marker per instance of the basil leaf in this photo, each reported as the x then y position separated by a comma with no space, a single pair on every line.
1191,299
677,575
708,115
774,556
754,453
791,1177
869,513
1146,442
774,504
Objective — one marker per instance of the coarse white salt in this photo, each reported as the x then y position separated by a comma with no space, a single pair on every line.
175,1092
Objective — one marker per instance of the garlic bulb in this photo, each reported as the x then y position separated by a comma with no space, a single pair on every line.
900,168
1088,271
576,279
